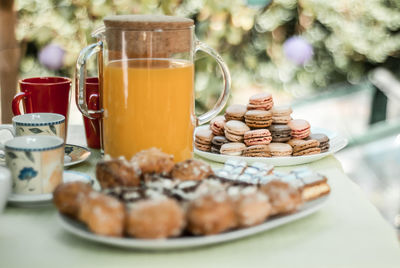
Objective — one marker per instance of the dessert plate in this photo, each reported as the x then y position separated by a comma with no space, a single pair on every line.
75,154
23,200
337,142
79,229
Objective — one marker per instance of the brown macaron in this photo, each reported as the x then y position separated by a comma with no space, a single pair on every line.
258,118
203,138
233,148
235,112
304,147
234,130
257,151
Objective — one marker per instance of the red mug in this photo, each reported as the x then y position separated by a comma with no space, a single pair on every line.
92,126
44,95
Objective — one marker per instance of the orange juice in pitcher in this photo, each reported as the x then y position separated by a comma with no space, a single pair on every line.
146,78
155,100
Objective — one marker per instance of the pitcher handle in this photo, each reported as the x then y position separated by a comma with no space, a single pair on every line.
80,80
223,98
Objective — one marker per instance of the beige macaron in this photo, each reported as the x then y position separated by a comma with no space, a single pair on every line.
233,148
280,149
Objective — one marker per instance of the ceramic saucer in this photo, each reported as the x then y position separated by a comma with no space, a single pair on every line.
23,200
75,154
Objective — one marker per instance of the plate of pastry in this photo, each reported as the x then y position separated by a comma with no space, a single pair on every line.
259,146
263,131
152,203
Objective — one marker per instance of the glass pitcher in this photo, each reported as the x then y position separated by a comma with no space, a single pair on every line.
146,76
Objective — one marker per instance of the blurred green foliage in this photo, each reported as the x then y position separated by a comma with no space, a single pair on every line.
349,37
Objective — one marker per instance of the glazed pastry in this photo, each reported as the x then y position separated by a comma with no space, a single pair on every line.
191,169
68,197
217,125
314,185
104,215
154,218
252,207
284,198
211,214
117,172
153,160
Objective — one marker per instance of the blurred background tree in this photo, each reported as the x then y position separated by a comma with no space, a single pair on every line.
295,47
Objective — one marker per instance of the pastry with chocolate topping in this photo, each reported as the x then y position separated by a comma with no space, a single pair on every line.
117,172
154,218
191,169
103,214
68,197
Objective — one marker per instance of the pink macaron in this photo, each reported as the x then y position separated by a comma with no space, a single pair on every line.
300,129
260,101
257,137
217,125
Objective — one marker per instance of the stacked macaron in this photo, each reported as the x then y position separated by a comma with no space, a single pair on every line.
216,143
261,101
234,130
203,138
235,112
260,129
300,129
258,118
322,139
217,125
304,147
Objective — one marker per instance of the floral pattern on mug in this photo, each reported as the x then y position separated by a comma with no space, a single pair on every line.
27,173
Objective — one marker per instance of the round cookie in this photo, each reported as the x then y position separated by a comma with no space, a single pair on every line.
217,125
234,130
300,128
155,218
257,137
233,148
191,169
235,112
280,149
258,118
211,214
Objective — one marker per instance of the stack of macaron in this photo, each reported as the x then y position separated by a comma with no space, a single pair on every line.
260,129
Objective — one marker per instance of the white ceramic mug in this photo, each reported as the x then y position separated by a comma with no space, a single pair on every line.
36,163
5,186
37,124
